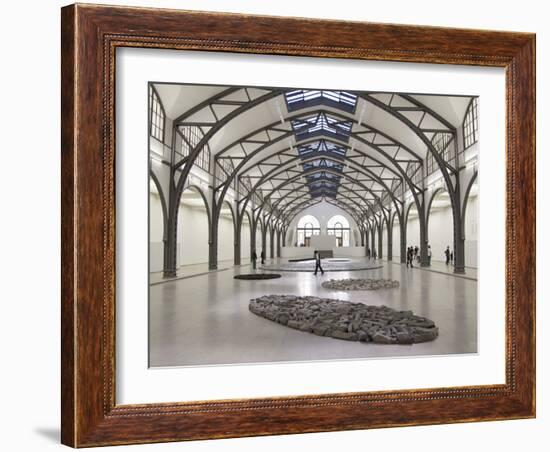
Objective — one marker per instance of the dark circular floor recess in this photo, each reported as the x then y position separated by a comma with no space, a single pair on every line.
258,276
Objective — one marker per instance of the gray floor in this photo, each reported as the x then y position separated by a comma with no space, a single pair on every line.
204,320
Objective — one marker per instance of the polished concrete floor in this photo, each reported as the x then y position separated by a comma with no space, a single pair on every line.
204,319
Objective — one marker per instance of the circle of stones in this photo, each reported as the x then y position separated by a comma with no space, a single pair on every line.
359,284
345,320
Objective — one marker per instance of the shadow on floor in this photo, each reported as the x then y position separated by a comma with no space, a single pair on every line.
50,433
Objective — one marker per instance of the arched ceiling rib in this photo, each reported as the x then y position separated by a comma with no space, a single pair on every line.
268,133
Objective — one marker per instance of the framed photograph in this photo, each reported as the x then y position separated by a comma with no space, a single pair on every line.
281,225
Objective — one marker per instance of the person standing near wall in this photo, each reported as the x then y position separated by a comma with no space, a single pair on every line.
317,258
447,256
254,258
410,256
368,253
429,255
262,257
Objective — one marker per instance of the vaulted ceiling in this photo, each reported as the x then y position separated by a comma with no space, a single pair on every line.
300,147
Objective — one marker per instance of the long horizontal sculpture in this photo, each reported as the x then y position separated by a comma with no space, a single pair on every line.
345,320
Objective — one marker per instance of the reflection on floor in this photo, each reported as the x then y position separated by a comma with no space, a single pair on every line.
205,320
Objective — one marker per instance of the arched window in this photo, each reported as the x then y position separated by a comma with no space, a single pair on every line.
308,225
339,227
156,116
470,127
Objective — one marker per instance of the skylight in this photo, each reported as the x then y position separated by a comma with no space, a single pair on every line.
320,148
304,98
321,124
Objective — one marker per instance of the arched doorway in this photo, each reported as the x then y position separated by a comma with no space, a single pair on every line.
193,227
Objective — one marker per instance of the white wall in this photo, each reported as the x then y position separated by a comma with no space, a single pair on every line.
245,242
258,239
385,242
192,235
156,246
396,240
226,238
268,244
322,242
413,230
440,232
471,231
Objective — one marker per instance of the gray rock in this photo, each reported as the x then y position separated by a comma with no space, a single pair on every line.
343,335
382,337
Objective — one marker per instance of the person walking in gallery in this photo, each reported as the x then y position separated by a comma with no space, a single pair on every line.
262,257
368,253
317,257
254,258
374,254
416,253
452,256
410,256
447,256
429,255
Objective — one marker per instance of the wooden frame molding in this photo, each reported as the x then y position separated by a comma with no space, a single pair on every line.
90,36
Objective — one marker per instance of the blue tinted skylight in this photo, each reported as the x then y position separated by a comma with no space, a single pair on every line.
304,98
321,124
329,182
323,163
320,148
323,184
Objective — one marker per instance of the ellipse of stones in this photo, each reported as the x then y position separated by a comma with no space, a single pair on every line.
345,320
360,284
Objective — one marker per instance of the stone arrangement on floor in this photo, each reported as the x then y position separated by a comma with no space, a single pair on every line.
360,284
345,320
257,276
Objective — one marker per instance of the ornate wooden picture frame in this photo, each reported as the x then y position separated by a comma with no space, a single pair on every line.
90,37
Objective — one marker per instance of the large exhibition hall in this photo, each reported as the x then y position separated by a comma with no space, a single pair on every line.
294,224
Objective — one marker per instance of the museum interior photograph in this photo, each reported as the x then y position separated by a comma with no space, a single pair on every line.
291,224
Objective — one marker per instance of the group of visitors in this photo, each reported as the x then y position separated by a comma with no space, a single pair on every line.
413,255
449,256
254,258
316,256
